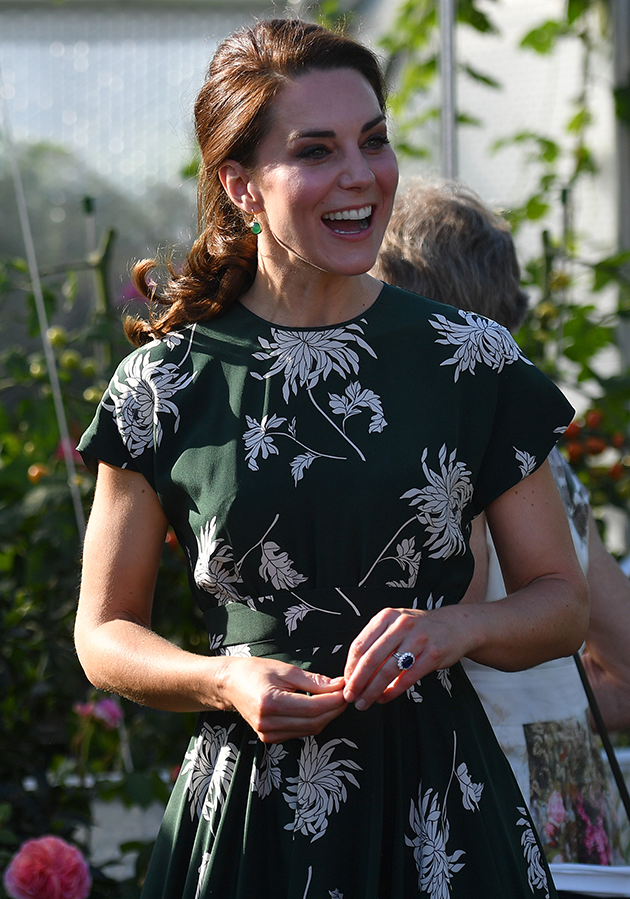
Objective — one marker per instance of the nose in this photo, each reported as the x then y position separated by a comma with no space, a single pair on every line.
357,173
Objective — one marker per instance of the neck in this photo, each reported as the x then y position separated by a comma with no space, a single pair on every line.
310,298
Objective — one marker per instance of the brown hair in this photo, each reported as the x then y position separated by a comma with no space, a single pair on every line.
443,242
232,115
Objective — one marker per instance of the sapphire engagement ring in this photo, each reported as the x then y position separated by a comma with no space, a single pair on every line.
404,659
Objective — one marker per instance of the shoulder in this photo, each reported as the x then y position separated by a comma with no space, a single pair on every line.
413,307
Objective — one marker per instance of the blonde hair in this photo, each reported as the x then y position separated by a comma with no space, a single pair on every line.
443,242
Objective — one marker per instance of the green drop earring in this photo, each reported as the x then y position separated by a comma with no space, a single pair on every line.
256,227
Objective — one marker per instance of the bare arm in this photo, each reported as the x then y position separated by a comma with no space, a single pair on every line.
607,654
119,651
544,616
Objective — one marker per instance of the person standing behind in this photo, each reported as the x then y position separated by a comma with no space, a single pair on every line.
444,243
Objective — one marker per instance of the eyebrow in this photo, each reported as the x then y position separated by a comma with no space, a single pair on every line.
368,125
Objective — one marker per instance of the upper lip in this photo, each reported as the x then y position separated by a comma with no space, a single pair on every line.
360,212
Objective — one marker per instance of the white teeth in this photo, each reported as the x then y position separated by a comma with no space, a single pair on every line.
354,214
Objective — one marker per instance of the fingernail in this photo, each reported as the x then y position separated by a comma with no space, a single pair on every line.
360,704
348,695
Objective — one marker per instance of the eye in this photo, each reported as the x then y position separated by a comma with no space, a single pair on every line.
316,152
376,142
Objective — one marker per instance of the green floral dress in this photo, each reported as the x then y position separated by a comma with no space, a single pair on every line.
315,476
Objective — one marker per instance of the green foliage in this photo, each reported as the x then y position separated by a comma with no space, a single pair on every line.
568,332
53,758
412,46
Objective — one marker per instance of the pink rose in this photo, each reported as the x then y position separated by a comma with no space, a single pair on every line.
109,712
555,809
48,868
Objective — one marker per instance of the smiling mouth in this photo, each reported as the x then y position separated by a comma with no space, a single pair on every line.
348,221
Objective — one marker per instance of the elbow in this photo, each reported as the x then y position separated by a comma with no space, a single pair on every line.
578,617
89,658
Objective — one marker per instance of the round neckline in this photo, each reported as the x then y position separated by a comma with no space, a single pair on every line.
331,327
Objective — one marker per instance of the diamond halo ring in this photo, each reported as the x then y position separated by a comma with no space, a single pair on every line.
404,660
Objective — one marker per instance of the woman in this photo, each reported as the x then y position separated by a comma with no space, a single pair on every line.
322,475
444,243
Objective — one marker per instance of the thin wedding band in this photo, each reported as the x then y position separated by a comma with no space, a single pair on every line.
404,660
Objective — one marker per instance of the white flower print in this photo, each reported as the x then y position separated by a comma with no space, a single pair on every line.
203,867
307,356
209,768
527,462
214,569
259,440
413,693
408,558
356,398
478,340
441,503
335,894
145,393
295,614
431,828
471,792
444,677
237,651
173,339
277,567
536,874
319,788
266,776
301,463
215,641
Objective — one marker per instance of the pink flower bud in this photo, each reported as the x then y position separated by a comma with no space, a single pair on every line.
83,709
109,712
48,868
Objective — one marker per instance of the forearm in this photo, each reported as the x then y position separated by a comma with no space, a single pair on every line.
547,619
129,659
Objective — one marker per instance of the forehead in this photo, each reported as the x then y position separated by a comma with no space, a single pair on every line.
324,100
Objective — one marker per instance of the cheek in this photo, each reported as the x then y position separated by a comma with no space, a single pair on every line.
389,176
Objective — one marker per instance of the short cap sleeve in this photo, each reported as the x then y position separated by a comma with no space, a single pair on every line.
122,430
530,416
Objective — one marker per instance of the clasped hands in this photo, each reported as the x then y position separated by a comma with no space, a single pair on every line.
281,701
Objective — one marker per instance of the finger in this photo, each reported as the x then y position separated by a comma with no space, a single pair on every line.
366,640
375,665
302,705
315,683
389,679
280,728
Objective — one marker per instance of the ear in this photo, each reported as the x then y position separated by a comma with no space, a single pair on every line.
239,187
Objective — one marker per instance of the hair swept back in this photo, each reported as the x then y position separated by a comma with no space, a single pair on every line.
443,242
232,115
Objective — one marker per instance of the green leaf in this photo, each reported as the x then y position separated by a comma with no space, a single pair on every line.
536,208
543,39
488,80
622,103
575,8
610,270
582,119
470,14
50,305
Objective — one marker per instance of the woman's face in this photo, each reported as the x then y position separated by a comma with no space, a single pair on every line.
325,175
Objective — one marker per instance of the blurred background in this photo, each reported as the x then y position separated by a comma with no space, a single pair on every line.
526,101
